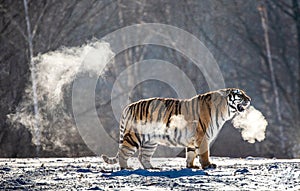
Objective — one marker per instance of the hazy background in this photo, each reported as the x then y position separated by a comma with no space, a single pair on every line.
232,30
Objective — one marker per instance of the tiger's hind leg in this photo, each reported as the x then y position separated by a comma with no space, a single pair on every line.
145,154
125,152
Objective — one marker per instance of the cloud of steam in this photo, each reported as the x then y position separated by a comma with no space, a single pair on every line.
252,124
55,73
58,68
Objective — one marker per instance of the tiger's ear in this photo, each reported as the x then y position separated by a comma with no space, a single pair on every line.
225,92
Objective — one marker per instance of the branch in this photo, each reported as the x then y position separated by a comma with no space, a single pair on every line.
10,17
283,7
39,20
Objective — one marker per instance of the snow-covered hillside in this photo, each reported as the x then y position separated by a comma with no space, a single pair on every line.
88,174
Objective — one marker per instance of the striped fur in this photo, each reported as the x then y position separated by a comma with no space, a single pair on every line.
190,123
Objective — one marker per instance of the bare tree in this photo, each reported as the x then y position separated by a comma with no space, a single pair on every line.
33,79
264,20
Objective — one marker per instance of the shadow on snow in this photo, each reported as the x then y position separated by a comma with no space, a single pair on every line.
168,173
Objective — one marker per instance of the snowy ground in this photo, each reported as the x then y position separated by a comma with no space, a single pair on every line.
87,174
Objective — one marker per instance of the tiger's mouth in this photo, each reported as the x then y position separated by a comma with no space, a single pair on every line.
242,106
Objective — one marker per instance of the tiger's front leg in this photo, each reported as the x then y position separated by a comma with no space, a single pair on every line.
191,154
205,163
204,155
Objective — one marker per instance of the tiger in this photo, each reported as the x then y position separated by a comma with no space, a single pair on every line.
188,123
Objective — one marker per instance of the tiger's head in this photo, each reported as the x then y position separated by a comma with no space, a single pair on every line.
237,99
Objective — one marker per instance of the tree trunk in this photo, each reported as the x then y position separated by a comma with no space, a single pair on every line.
296,12
33,79
264,20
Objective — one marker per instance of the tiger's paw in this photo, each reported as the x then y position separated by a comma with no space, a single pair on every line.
193,167
153,168
209,166
126,168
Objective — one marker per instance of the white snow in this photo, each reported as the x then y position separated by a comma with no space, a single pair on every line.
87,174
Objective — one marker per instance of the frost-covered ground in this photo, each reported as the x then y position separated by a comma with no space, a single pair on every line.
87,174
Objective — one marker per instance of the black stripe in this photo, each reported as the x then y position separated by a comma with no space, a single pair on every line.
160,136
218,105
189,149
219,109
138,138
142,105
154,104
129,139
168,112
143,138
170,140
179,137
127,119
125,113
185,132
215,97
168,102
146,110
202,126
196,113
175,132
134,112
176,107
231,98
160,111
138,110
209,112
209,108
217,115
208,97
228,110
222,116
148,155
192,106
128,153
186,107
179,107
199,109
148,146
232,107
169,119
131,112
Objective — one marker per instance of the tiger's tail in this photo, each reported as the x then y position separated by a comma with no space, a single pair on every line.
111,160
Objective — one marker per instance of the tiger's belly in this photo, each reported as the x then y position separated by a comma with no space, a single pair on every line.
178,133
176,138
